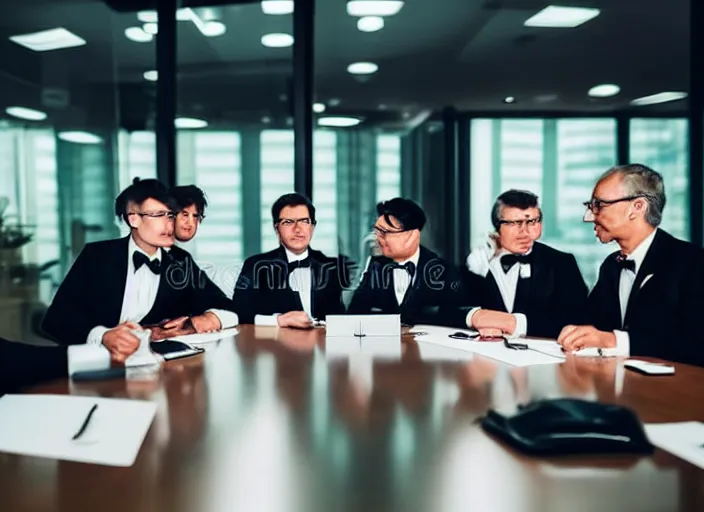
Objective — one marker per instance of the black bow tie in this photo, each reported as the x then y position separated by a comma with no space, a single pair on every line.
509,260
293,265
625,264
139,259
409,267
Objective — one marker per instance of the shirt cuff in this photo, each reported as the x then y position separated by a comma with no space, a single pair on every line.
623,343
468,320
95,336
227,318
521,326
266,320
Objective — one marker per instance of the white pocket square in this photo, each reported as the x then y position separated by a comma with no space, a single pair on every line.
647,278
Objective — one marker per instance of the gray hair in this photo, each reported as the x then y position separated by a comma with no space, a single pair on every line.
640,180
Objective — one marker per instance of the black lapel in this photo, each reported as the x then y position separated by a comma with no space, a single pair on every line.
291,299
414,293
114,261
495,299
650,264
165,289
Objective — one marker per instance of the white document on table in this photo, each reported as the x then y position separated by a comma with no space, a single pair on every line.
43,426
495,350
206,337
685,440
433,352
377,347
362,325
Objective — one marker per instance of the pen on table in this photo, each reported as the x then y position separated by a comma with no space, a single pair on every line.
85,422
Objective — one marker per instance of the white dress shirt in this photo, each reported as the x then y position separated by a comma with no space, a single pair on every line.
301,281
625,286
402,279
140,294
482,261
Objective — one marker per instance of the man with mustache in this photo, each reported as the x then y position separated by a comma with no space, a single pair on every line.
648,300
293,285
116,286
524,287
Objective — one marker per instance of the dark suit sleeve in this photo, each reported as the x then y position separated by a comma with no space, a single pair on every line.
343,267
462,293
363,298
244,298
569,302
68,319
24,365
598,301
207,294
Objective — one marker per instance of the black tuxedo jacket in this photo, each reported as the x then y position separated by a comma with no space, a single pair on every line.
552,297
91,293
434,295
24,365
666,305
263,288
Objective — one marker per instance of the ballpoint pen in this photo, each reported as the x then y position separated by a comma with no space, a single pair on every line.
85,422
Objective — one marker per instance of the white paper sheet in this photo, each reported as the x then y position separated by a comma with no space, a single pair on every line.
43,425
432,352
206,337
377,347
684,440
494,350
369,325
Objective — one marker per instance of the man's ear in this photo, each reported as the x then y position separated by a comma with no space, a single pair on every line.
134,221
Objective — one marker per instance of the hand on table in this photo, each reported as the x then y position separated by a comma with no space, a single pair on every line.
120,342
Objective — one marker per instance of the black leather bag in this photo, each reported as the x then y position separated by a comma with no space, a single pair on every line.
569,426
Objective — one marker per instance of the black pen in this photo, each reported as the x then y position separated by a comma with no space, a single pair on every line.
85,423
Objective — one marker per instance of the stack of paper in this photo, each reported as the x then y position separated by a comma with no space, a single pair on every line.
686,440
206,337
112,437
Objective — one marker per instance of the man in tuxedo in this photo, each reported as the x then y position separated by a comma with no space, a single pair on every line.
407,279
23,365
648,299
116,285
191,202
293,285
524,287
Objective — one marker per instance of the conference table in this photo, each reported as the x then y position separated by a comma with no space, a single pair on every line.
267,420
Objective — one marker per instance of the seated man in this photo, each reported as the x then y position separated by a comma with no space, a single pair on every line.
23,365
115,285
407,279
191,204
648,299
293,285
535,290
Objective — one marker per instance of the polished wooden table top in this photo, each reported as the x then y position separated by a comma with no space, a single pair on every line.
266,421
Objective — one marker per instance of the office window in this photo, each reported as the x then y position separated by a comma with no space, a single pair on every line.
325,191
137,156
662,144
557,159
211,160
388,166
276,178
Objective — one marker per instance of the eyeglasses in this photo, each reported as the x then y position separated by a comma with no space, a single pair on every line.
595,205
521,223
289,223
383,233
198,217
156,215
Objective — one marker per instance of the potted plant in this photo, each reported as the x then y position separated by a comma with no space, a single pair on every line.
13,236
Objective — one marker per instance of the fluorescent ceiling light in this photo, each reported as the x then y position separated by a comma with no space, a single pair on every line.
339,122
147,16
509,99
318,108
214,29
53,39
26,113
79,137
151,28
138,35
190,122
373,7
183,14
151,75
277,6
661,97
277,40
604,90
362,68
555,16
370,23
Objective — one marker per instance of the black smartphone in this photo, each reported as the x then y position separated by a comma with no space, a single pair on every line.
172,349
